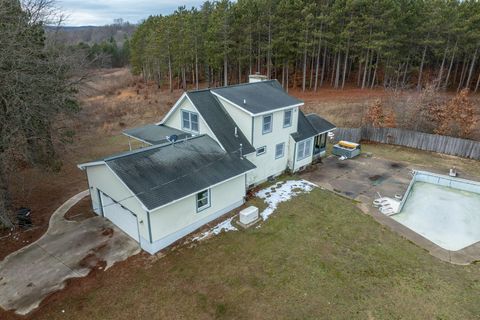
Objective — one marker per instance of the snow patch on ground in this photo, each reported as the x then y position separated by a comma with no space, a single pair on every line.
273,195
280,192
224,225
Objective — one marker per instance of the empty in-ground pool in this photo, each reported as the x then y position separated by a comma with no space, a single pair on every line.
443,209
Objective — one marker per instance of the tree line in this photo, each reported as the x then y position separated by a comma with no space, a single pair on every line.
310,43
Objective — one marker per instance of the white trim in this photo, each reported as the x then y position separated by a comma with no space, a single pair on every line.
261,153
234,104
291,118
136,138
190,113
304,141
261,113
271,123
83,166
175,106
326,131
206,206
121,181
283,150
279,109
206,123
197,191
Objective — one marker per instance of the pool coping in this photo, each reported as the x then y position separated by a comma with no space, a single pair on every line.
465,256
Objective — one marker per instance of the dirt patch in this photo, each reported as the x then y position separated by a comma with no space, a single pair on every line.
342,165
375,177
396,165
107,232
81,211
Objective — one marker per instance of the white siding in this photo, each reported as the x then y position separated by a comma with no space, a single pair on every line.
173,221
241,118
266,163
102,178
179,215
305,161
175,119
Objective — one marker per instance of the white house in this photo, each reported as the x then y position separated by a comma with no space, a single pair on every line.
211,147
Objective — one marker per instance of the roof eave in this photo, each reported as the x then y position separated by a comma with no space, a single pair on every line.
83,166
197,191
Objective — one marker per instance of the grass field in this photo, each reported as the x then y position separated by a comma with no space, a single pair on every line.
421,158
318,257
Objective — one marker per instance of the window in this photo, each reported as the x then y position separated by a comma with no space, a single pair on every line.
267,124
203,200
279,150
287,118
189,121
304,149
261,150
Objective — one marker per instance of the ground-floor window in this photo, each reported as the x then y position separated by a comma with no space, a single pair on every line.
261,150
203,200
280,150
304,149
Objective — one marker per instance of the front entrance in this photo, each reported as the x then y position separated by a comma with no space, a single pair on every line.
319,145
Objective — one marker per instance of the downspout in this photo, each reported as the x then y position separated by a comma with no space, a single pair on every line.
149,227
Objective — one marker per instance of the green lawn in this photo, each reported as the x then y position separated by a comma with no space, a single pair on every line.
317,257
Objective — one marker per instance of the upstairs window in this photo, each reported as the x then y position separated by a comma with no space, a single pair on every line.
287,118
189,121
203,200
279,150
267,124
304,149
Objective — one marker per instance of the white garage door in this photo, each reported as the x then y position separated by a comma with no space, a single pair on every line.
121,217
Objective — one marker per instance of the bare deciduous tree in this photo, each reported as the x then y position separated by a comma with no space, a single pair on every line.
37,83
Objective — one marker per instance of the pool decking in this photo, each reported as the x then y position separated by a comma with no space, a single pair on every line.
364,177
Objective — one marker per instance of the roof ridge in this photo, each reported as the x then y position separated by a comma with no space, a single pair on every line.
230,86
140,150
243,84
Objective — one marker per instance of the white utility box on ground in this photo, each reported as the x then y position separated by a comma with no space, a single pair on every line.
249,215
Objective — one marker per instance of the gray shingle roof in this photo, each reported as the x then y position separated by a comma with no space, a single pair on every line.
319,124
161,174
155,134
259,97
305,130
220,121
310,125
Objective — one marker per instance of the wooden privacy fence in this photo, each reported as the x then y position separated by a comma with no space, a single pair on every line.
413,139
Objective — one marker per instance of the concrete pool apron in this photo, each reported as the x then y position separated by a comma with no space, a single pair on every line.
464,256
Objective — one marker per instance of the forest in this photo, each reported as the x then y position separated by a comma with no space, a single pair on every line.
308,44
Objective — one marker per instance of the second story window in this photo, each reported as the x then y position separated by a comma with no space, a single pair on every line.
267,124
189,121
287,118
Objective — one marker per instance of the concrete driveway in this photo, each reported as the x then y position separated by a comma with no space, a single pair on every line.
67,250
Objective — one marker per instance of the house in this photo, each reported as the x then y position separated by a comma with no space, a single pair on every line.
211,147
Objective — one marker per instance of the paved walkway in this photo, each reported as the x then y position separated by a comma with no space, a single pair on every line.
364,178
68,249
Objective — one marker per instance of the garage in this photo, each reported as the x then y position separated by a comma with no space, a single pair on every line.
121,217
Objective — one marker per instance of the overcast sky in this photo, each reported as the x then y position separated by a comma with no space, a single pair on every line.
101,12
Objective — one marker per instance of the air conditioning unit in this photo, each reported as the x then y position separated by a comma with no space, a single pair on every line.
249,215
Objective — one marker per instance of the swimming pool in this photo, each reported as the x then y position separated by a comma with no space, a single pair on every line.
443,209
